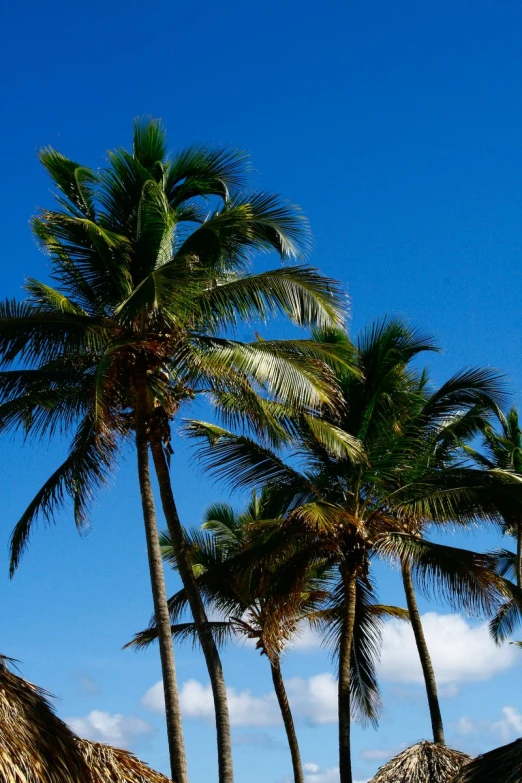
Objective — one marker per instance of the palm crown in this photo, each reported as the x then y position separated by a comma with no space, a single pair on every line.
147,281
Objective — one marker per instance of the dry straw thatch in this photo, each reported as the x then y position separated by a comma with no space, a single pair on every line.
501,765
113,765
37,747
424,762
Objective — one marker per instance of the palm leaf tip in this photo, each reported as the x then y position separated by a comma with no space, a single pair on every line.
149,141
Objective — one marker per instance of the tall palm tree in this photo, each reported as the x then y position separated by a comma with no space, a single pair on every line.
356,505
150,257
265,587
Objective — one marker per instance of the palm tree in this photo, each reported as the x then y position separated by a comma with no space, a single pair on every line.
444,420
265,587
267,606
147,285
503,450
377,498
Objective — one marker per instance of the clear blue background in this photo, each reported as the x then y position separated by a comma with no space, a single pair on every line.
397,128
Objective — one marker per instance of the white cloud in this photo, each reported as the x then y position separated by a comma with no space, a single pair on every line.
307,641
154,699
466,726
380,754
245,709
508,728
330,775
314,774
314,700
119,730
196,702
511,724
459,651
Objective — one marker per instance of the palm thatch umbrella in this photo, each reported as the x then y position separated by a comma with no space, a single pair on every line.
35,745
113,765
501,765
424,762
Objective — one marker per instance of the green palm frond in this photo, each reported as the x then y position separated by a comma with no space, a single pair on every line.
299,292
200,171
85,470
506,620
149,143
223,633
366,648
74,181
237,460
468,388
38,337
461,495
505,563
388,336
291,371
50,299
460,577
336,441
224,524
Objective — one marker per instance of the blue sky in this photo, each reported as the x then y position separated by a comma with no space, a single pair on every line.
397,128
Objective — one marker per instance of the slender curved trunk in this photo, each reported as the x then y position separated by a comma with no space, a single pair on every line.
178,760
349,578
208,645
519,554
279,687
424,655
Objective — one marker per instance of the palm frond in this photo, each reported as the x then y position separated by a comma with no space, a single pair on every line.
75,182
237,460
201,171
223,633
149,144
84,471
459,577
299,292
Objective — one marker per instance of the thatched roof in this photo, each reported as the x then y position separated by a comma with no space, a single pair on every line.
501,765
424,762
37,747
113,765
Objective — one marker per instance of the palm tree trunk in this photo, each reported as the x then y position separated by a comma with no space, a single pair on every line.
279,687
208,645
519,554
424,655
349,578
178,760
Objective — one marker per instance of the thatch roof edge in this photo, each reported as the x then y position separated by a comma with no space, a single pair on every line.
424,762
37,747
500,765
